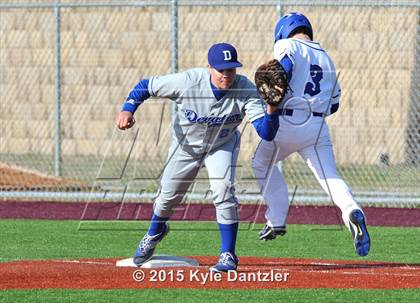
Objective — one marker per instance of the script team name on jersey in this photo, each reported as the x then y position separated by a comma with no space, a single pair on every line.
212,121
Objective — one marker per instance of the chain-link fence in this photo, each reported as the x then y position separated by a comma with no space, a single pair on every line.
67,67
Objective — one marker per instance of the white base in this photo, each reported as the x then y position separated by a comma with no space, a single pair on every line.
160,261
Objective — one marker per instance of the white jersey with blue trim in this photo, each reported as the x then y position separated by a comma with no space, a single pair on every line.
202,122
313,77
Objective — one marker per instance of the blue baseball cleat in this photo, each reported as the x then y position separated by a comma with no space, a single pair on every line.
359,230
227,261
147,246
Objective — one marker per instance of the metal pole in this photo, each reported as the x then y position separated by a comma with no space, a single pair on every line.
174,35
412,133
174,42
57,91
279,9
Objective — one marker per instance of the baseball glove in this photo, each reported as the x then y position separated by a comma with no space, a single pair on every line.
271,81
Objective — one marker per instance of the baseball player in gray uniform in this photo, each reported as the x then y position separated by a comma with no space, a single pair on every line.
210,104
313,94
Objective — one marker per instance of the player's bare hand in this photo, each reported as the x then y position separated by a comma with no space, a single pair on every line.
125,120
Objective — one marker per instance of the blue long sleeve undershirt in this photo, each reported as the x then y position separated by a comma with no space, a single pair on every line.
267,126
287,65
137,96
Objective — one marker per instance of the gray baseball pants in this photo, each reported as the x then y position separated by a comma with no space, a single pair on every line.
181,170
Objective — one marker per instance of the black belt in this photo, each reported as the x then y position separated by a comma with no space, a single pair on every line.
289,112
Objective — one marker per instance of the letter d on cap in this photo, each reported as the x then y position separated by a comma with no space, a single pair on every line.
228,55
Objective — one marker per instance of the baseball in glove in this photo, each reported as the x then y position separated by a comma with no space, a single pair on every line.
271,82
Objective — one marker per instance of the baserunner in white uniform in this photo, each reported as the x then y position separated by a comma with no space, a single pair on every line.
313,94
210,104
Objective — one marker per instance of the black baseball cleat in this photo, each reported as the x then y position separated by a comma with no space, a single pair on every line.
359,230
271,232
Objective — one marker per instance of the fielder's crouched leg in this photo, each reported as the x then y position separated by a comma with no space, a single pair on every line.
158,229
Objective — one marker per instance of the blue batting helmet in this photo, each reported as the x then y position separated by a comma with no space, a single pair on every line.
288,23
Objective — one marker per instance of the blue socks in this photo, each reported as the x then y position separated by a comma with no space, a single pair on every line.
156,225
228,233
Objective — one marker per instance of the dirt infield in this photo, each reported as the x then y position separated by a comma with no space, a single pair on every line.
13,177
253,273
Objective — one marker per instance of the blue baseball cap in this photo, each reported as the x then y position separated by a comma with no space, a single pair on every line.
223,56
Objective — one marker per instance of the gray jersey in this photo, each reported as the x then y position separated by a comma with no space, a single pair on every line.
203,123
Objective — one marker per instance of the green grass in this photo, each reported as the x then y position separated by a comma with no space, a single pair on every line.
209,296
42,239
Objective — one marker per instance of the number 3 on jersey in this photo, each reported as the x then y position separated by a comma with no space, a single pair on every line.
314,88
